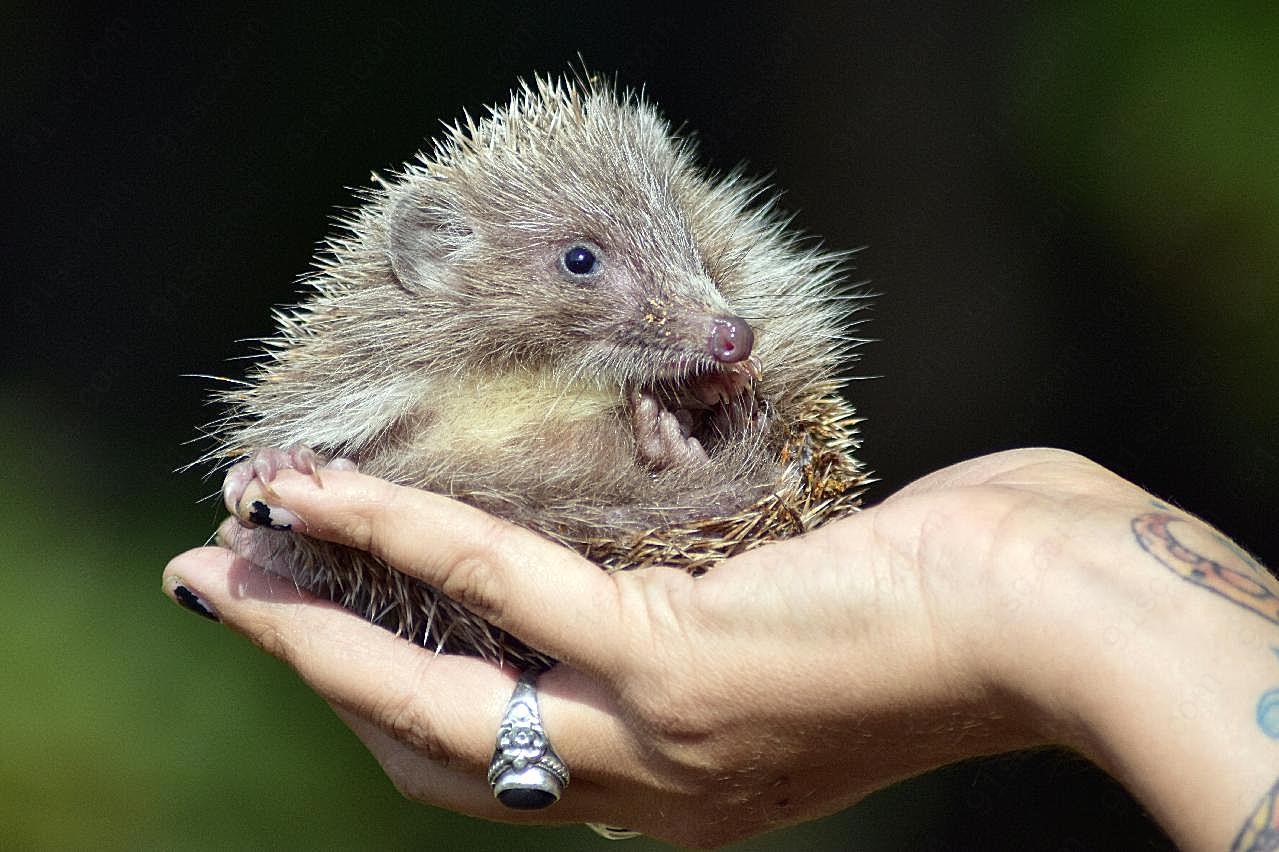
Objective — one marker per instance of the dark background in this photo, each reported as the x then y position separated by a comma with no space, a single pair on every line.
1071,218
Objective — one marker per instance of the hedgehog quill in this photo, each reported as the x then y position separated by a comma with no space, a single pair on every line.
557,316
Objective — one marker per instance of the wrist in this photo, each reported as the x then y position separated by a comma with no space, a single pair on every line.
1124,661
1060,629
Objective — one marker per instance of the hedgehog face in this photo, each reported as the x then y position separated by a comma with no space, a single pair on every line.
563,229
573,235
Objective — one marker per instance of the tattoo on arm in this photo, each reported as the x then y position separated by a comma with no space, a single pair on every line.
1261,832
1211,562
1231,574
1268,710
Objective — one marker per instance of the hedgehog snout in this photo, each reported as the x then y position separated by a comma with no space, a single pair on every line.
730,340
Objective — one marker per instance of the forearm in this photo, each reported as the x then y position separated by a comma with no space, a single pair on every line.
1165,650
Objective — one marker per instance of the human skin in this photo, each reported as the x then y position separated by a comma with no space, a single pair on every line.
1025,598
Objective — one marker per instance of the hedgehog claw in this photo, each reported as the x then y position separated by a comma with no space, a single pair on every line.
662,437
263,465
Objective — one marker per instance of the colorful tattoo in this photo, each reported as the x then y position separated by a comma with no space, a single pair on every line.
1261,832
1236,577
1240,582
1268,710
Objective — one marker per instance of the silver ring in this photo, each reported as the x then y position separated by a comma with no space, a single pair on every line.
525,773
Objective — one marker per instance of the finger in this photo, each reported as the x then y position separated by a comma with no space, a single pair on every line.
439,709
541,592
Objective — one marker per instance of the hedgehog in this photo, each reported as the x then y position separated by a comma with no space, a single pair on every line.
559,317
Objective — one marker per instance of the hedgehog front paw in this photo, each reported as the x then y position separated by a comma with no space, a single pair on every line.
263,465
663,438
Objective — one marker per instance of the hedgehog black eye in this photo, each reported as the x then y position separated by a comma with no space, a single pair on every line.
581,260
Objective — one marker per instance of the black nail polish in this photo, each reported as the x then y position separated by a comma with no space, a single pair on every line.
194,602
261,514
274,517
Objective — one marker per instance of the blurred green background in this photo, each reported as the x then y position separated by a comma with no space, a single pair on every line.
1072,215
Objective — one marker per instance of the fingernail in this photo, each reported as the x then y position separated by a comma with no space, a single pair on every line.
188,599
274,517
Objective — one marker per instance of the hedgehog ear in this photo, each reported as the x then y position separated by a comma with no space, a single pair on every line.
420,236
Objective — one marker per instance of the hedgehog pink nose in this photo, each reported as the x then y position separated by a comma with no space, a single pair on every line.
731,339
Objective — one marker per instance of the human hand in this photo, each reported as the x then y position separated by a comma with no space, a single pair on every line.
786,684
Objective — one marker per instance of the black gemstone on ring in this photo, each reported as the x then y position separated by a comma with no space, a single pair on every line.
526,800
